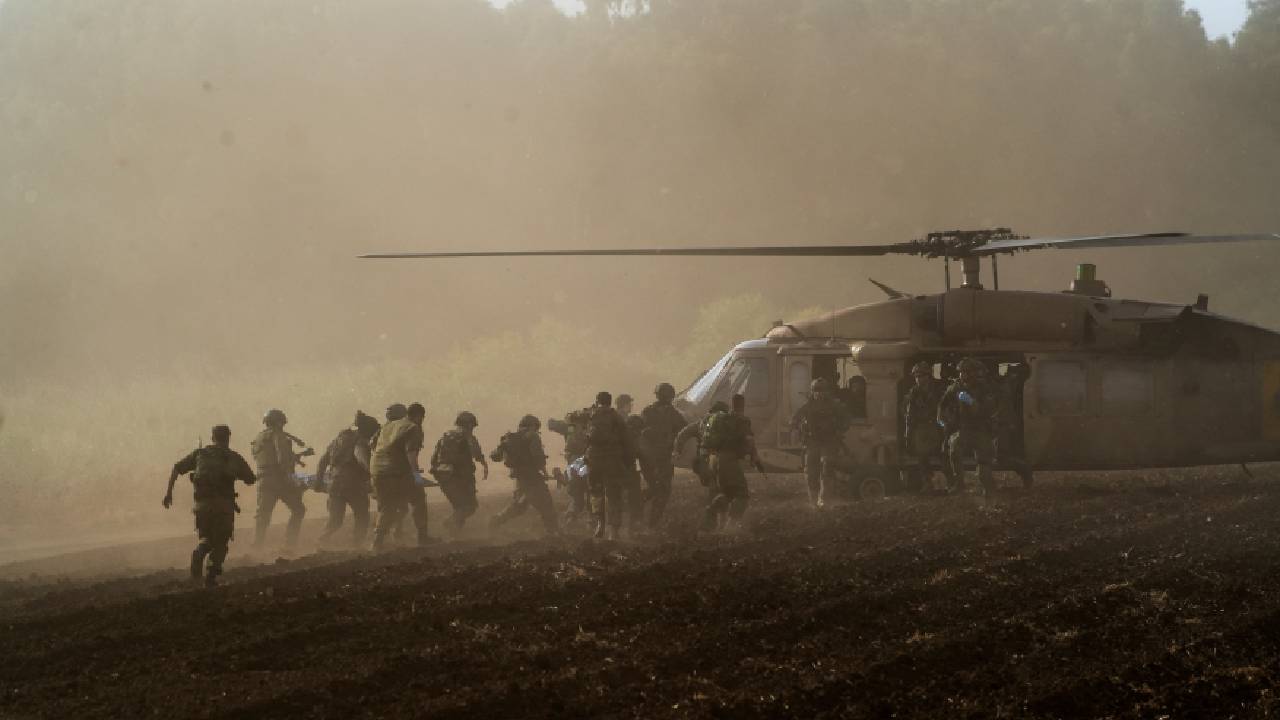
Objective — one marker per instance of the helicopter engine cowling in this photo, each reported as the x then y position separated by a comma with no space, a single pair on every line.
969,315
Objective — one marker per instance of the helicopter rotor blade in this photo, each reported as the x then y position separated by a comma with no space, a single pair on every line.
1110,241
748,251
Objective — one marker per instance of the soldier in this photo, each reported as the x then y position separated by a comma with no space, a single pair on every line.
921,431
696,431
625,405
609,451
1009,449
454,466
822,421
729,438
640,466
662,424
574,429
522,452
968,411
854,396
274,456
395,468
214,470
347,461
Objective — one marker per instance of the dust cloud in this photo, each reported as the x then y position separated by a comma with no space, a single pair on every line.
186,184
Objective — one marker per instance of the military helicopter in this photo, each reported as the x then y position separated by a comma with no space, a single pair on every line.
1112,383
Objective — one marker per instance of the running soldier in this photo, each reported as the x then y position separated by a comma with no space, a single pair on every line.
922,433
574,430
609,451
454,466
214,470
273,454
968,410
729,438
522,452
347,462
696,430
822,421
395,468
662,424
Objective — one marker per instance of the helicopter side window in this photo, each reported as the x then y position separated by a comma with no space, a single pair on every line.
798,378
749,376
1061,388
1127,390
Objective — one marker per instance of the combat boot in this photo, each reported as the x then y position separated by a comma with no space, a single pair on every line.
211,577
197,561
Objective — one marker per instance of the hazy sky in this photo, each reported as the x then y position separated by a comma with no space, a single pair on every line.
1221,17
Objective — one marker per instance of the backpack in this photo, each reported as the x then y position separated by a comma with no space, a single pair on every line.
602,431
822,421
514,451
212,465
720,432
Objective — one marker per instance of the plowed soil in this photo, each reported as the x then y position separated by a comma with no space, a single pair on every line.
1101,596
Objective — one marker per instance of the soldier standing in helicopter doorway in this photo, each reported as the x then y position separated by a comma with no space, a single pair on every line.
273,454
968,410
822,421
922,433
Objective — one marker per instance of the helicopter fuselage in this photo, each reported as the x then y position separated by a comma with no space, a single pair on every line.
1113,384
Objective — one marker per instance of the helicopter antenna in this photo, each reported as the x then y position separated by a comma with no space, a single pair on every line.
893,294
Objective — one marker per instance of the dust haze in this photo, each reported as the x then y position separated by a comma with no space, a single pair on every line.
186,185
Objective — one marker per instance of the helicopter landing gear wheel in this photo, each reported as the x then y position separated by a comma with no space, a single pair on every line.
870,486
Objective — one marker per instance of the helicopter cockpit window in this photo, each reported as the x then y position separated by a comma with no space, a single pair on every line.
1061,388
749,376
698,391
1127,390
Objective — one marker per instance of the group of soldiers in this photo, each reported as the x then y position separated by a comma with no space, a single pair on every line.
973,419
620,464
612,449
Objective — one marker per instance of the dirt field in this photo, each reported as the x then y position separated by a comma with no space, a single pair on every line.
1119,596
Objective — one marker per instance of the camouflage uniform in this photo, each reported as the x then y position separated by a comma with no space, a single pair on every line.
528,464
662,424
574,430
640,466
274,456
347,462
214,469
737,443
922,433
823,421
609,451
393,479
968,410
454,464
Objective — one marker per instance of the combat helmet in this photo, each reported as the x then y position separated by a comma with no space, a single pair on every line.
530,421
665,392
972,365
922,368
396,411
366,425
274,416
820,385
466,418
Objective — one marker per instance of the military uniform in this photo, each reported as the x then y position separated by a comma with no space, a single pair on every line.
1009,425
393,479
662,424
969,411
574,430
523,453
922,433
641,466
823,421
274,456
454,464
214,470
609,451
734,442
346,461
